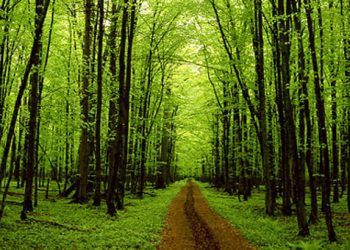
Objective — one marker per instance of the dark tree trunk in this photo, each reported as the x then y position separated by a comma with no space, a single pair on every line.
6,59
82,196
321,116
344,11
217,153
305,136
144,112
97,198
162,169
261,125
236,127
34,51
226,138
19,154
112,118
335,155
346,42
126,45
263,133
293,160
283,100
33,109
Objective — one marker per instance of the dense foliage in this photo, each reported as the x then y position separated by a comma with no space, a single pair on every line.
105,97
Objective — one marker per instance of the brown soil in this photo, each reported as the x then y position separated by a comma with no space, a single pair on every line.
191,224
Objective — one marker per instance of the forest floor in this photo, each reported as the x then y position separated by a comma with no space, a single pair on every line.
57,224
179,217
192,224
278,232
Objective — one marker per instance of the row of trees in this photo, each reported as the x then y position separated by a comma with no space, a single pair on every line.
281,79
93,101
110,84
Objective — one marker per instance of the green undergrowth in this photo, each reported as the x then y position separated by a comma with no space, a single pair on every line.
56,224
278,232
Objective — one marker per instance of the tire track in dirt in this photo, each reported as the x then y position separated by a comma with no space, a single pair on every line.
202,234
191,224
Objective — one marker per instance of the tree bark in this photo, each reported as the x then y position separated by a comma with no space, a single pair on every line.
126,45
82,196
165,144
97,198
344,11
322,130
258,43
33,109
112,117
34,51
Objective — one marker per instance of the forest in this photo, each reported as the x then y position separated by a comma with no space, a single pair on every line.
169,124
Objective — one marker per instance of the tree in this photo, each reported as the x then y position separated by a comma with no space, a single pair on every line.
34,52
97,199
112,118
321,115
86,78
163,167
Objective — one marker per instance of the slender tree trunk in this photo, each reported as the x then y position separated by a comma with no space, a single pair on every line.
226,138
97,198
34,51
19,155
33,109
86,78
335,141
284,173
265,144
165,144
125,65
260,114
305,136
5,61
217,153
236,130
112,117
345,10
321,115
144,111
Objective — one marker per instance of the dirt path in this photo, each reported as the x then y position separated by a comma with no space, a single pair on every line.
191,224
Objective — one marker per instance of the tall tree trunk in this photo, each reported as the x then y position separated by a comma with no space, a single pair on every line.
34,51
144,116
236,131
284,174
126,45
97,198
345,11
321,116
33,109
144,105
19,154
335,141
265,144
112,117
305,136
293,160
162,169
226,137
82,196
217,152
260,114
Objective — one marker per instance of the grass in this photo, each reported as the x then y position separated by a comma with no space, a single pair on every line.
279,232
55,224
